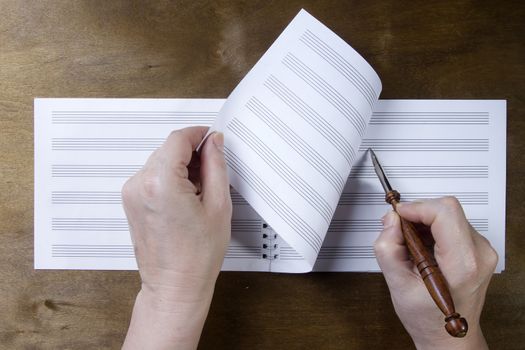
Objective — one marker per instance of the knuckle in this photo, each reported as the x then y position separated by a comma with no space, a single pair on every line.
380,247
451,202
173,135
128,191
150,184
492,258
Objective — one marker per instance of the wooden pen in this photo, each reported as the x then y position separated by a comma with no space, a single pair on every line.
425,262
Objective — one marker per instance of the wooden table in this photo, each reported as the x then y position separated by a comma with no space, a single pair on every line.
427,49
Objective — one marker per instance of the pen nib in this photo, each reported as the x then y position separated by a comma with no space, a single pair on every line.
379,171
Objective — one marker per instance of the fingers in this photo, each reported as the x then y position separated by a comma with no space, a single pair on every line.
179,147
445,216
391,252
214,177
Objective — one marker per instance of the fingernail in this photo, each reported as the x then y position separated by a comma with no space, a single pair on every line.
218,141
388,219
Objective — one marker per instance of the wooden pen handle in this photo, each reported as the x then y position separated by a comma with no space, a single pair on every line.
429,270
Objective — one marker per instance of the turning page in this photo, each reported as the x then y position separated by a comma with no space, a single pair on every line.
292,129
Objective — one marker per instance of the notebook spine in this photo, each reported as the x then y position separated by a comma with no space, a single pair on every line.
270,245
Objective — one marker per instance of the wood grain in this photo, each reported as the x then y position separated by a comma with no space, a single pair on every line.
97,48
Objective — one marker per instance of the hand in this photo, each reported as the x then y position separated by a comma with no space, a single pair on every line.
465,257
179,212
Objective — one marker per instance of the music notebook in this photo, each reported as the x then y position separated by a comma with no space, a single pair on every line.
296,129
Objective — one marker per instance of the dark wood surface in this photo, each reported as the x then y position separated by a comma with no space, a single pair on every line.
421,49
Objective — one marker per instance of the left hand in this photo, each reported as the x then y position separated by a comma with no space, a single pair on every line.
179,212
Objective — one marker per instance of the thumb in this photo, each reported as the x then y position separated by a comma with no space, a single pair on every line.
214,177
392,253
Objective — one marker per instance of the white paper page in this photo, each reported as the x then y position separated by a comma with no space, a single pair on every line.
85,149
429,149
292,131
72,184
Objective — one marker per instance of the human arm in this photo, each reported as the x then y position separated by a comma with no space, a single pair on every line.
464,256
179,212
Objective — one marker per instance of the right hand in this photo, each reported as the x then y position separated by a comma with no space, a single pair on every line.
465,257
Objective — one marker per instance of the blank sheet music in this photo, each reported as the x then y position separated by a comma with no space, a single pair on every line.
85,149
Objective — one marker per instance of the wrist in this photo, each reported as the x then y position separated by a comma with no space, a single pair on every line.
168,289
173,307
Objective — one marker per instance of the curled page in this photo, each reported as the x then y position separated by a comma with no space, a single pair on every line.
292,129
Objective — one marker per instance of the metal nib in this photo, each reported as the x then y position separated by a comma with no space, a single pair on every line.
380,173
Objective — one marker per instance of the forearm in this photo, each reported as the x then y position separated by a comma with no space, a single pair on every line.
157,324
